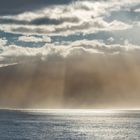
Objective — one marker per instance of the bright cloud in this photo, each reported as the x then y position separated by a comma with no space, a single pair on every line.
3,42
86,17
17,54
34,39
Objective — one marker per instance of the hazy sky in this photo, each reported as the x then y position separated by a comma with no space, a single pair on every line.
93,43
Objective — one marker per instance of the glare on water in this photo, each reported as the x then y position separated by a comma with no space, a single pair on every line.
69,124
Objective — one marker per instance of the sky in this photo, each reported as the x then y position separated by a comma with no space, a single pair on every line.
69,53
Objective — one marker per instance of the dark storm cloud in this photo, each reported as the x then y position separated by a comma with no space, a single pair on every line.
13,21
43,21
47,21
18,6
39,21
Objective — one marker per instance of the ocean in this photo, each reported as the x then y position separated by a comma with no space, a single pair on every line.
69,125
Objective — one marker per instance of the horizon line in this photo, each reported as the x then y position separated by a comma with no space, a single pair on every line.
59,110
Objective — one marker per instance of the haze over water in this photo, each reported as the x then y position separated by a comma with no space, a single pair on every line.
69,125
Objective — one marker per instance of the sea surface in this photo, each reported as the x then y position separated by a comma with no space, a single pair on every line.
69,125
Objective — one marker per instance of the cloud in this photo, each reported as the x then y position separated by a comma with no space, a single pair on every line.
6,65
3,42
34,39
67,28
18,54
137,10
78,16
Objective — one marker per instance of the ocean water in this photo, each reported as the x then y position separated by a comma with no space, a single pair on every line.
65,125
